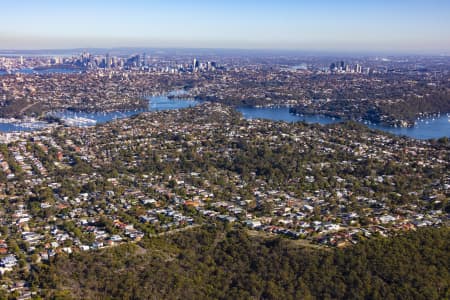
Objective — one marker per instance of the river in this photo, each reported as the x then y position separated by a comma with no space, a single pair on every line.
424,129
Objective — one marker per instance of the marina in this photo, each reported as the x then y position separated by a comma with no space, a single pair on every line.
436,126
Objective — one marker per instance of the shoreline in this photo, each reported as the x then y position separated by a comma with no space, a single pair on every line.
34,123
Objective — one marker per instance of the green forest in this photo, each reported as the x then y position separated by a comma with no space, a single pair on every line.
222,262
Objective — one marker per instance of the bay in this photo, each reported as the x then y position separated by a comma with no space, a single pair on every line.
428,128
424,129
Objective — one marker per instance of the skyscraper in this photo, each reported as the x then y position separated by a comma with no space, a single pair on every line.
196,64
358,68
138,60
332,66
144,59
107,61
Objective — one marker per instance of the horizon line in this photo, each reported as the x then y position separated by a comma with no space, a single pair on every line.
250,49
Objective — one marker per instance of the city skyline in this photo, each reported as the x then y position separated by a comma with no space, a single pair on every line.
421,27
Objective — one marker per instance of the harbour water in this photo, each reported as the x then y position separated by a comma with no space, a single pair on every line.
156,103
42,71
424,129
428,128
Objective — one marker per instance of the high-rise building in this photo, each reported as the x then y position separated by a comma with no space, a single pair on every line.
358,68
107,61
196,64
332,66
210,65
138,60
144,60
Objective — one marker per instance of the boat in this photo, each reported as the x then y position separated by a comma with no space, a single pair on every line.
79,121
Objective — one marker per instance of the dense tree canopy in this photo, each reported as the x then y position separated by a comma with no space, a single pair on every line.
228,263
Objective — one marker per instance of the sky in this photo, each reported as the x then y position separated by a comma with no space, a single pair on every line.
408,26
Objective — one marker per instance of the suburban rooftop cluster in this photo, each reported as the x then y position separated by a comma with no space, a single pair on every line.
67,189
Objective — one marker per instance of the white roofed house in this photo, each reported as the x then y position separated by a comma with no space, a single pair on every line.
7,263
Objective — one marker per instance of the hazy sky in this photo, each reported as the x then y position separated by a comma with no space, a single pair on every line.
415,26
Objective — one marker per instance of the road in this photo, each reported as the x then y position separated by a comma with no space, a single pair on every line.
27,107
175,230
